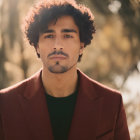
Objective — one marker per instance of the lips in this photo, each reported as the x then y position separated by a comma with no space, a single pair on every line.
58,57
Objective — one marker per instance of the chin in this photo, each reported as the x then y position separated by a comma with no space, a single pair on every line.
57,69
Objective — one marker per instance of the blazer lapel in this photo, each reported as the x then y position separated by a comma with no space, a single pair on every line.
35,109
84,122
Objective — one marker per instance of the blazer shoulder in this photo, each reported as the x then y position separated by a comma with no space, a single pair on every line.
106,91
98,88
20,87
111,98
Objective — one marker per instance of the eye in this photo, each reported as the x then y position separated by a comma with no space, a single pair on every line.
49,36
68,36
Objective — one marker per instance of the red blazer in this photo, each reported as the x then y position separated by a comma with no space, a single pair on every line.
99,113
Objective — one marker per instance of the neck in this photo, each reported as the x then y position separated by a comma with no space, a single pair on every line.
60,85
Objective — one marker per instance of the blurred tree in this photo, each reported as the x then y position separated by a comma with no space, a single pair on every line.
107,13
11,37
3,75
129,11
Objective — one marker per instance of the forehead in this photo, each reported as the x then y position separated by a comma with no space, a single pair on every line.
64,22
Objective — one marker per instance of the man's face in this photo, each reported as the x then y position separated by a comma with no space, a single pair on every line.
59,46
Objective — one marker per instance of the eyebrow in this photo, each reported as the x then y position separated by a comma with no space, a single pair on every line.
69,31
63,31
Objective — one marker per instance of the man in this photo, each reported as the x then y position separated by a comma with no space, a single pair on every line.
60,102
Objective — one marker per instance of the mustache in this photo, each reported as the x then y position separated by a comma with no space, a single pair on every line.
58,53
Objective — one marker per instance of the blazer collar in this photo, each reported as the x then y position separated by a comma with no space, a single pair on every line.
34,84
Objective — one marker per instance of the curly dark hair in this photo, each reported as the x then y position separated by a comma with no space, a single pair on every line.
48,10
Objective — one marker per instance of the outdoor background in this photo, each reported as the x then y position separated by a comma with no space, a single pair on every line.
113,58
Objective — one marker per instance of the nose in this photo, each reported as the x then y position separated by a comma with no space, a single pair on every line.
58,44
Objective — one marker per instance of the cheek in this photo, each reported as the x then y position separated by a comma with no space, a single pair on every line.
75,53
44,46
44,51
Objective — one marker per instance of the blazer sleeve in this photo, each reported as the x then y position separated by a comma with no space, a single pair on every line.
121,129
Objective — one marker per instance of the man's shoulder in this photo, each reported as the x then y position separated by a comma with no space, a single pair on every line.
19,87
105,90
100,89
16,87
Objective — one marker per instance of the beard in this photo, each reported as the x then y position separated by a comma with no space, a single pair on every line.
57,68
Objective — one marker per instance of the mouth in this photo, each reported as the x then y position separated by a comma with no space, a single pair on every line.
58,57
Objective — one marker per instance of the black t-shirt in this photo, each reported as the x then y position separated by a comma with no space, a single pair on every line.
61,111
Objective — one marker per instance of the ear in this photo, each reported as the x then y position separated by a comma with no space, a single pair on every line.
81,47
37,49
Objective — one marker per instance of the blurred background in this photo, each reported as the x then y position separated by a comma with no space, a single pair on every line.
113,58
